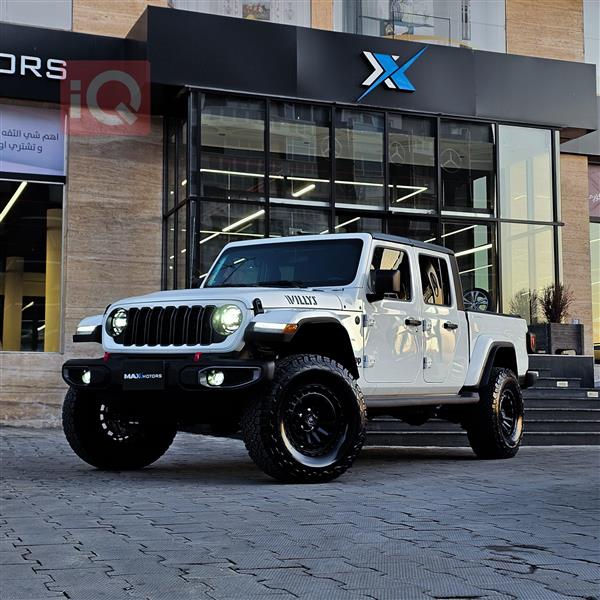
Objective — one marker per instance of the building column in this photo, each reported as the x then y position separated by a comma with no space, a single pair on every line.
53,280
576,240
13,303
321,14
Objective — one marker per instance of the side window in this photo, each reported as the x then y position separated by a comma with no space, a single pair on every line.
392,259
435,280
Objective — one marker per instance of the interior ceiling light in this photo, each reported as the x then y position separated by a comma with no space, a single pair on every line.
235,226
473,250
13,199
27,306
458,231
475,269
304,190
415,190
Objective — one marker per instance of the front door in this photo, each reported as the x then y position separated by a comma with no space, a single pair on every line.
393,346
442,331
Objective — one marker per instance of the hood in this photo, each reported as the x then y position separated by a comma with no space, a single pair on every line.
269,296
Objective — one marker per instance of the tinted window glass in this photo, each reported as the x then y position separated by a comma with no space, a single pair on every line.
435,281
393,259
289,264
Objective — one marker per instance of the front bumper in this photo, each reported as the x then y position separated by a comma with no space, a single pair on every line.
165,372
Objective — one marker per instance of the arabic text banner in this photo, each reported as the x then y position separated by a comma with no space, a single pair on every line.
32,140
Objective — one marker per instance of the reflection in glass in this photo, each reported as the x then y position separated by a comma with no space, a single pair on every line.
221,223
350,222
295,221
412,171
232,147
467,164
182,181
30,266
527,266
170,250
171,183
359,158
475,250
424,230
525,174
181,247
595,268
299,145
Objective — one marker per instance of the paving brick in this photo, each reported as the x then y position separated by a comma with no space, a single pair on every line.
205,524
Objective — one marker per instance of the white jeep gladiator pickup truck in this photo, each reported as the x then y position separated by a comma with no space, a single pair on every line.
296,342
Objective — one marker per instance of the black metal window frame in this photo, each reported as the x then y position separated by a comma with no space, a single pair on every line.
193,175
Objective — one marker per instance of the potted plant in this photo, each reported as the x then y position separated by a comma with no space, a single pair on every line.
555,336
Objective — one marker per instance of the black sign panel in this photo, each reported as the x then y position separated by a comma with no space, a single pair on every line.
208,51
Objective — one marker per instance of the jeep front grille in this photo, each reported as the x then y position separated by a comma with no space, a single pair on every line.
170,326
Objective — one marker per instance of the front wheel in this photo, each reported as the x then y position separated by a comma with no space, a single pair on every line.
309,426
495,426
115,434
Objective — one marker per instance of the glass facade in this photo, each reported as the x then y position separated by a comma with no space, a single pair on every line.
334,170
478,24
31,218
288,12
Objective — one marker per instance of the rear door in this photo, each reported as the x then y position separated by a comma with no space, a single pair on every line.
445,335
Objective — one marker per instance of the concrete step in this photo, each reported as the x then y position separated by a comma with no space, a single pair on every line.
562,414
459,439
532,424
550,401
562,394
557,382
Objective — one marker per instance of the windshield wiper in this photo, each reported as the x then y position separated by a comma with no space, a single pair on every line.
282,283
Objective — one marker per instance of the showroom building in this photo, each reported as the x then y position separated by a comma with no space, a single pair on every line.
269,129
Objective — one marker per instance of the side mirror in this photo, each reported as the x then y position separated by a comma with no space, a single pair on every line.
386,281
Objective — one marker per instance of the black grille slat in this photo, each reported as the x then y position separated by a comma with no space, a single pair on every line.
206,334
179,325
194,316
171,325
128,334
140,329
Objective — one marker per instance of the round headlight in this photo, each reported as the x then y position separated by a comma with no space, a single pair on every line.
116,322
227,319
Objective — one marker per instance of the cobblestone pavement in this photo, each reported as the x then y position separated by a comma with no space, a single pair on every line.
204,523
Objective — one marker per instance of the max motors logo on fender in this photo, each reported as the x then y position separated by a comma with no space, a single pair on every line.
387,70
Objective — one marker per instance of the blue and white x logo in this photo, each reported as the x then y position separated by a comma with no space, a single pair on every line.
386,69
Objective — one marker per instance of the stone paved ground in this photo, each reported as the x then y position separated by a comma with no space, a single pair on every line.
204,523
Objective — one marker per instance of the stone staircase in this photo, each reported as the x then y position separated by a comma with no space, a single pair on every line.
558,411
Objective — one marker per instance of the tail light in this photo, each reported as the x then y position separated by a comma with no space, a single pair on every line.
531,343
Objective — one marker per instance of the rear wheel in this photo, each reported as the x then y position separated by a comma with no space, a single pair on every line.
495,426
115,434
310,425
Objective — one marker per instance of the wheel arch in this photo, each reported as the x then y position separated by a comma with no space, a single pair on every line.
325,336
500,355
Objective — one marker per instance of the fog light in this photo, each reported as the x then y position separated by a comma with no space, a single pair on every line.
86,377
215,378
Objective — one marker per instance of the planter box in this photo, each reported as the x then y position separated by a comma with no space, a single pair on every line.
557,338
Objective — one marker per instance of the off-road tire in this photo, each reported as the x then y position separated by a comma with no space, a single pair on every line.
488,438
263,430
93,443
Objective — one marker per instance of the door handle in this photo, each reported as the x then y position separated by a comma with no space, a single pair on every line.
450,325
412,322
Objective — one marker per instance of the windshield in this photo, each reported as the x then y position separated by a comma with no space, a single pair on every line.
289,264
